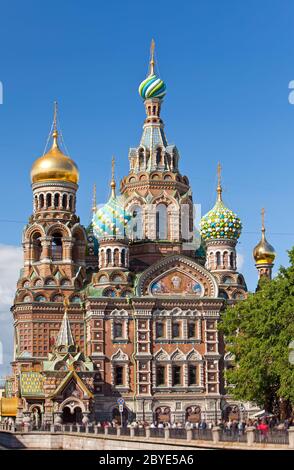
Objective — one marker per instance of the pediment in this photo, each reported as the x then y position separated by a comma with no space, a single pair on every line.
179,276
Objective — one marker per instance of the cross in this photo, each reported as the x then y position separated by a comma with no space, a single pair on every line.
152,63
55,116
112,168
262,217
219,169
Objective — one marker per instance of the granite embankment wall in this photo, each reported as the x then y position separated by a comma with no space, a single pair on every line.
76,441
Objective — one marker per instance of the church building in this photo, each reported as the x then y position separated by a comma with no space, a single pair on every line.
128,307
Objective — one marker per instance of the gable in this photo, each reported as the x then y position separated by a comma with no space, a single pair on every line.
179,276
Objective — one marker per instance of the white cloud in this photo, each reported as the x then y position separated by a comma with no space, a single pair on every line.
11,261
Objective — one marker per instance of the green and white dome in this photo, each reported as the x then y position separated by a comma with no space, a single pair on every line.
220,222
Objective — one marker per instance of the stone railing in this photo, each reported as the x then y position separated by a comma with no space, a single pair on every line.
216,436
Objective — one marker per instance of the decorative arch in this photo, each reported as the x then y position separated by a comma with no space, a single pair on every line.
161,355
194,355
72,403
203,283
120,356
177,355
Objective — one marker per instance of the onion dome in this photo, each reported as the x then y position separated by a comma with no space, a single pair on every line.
264,253
152,86
111,220
220,222
54,165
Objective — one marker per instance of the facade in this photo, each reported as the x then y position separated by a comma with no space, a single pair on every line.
129,306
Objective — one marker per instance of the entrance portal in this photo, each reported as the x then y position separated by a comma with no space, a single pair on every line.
72,416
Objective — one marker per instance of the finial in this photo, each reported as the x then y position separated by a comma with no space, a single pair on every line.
112,184
94,202
219,185
55,131
152,62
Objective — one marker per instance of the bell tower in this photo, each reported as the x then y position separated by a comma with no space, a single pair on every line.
54,246
264,253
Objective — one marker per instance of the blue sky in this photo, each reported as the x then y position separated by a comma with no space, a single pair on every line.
227,65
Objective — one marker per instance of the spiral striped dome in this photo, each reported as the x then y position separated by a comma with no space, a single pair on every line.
152,87
220,222
110,221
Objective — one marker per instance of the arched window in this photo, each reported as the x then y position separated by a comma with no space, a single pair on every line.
57,246
48,200
71,203
218,259
161,222
116,257
232,260
64,201
123,257
36,202
137,223
41,201
37,246
56,200
118,329
108,256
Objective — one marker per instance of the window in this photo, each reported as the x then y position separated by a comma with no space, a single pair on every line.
57,246
161,222
191,329
176,329
37,246
192,375
159,329
177,375
218,259
137,223
118,329
160,375
119,375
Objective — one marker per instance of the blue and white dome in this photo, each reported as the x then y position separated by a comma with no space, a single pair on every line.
111,220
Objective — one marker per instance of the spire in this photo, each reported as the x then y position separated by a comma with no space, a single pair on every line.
94,202
112,184
219,185
152,62
65,337
55,131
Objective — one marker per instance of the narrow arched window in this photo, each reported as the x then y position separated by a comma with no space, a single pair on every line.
108,256
56,200
56,246
232,260
64,201
36,246
41,201
49,199
161,222
123,257
218,259
137,223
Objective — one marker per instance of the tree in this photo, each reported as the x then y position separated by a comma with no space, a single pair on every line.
258,331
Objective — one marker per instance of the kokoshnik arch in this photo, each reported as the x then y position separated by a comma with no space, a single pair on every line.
125,307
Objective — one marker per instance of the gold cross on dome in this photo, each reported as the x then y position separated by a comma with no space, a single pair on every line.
262,217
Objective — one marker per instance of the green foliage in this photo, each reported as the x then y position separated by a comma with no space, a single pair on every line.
258,331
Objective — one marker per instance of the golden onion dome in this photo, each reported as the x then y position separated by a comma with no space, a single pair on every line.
54,165
264,253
